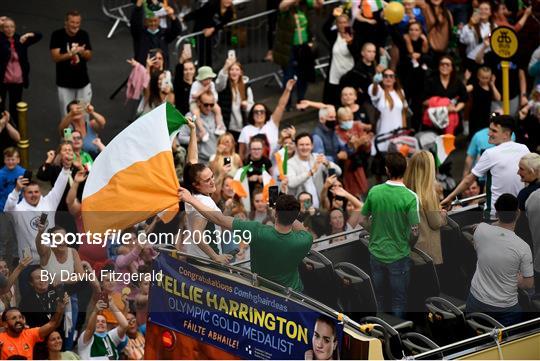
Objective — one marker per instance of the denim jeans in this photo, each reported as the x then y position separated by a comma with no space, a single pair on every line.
505,315
398,273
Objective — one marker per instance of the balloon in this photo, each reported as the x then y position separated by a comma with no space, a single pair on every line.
394,12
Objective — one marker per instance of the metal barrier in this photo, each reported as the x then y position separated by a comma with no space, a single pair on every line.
248,37
115,9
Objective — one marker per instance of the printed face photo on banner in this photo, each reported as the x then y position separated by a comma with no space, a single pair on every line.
324,341
242,320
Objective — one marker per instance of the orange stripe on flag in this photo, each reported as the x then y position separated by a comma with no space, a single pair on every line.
448,143
238,188
265,192
279,163
133,194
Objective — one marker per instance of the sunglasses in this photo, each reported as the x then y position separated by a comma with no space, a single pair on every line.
389,76
259,112
445,64
208,104
76,138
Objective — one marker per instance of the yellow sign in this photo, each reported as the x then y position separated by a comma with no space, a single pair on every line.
504,42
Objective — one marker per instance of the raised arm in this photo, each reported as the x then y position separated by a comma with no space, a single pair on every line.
13,197
208,213
304,104
136,21
98,121
192,150
43,251
55,195
64,123
282,103
73,204
14,276
120,317
8,127
92,319
55,320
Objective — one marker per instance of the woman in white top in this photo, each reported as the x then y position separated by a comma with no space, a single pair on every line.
341,60
261,121
389,99
58,256
475,35
199,180
237,102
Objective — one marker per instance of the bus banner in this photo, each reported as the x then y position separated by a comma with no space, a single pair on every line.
242,320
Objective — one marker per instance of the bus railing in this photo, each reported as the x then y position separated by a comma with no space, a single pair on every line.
459,348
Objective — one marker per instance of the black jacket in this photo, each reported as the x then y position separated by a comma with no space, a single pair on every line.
143,41
209,16
22,51
360,77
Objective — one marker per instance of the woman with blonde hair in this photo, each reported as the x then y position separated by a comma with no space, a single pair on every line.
235,96
225,154
420,178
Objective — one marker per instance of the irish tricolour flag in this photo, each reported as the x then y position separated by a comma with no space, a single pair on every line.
444,145
282,156
268,181
240,185
371,6
134,177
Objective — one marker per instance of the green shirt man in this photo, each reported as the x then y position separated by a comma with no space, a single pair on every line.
394,210
268,245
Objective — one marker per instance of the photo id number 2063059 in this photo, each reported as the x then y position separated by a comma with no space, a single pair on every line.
208,236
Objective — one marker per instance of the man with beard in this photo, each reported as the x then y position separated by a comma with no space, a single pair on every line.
19,340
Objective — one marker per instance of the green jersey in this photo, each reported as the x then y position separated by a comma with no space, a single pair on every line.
275,255
394,209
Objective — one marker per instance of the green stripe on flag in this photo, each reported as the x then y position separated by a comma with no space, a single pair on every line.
379,4
285,159
175,119
245,170
148,14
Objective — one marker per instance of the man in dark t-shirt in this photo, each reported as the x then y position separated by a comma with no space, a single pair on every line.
71,50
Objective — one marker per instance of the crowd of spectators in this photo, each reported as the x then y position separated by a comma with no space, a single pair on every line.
432,73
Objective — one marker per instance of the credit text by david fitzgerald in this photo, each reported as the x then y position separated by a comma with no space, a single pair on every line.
109,275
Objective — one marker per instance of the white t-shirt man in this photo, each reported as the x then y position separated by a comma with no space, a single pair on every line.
500,165
269,129
192,215
501,256
26,216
